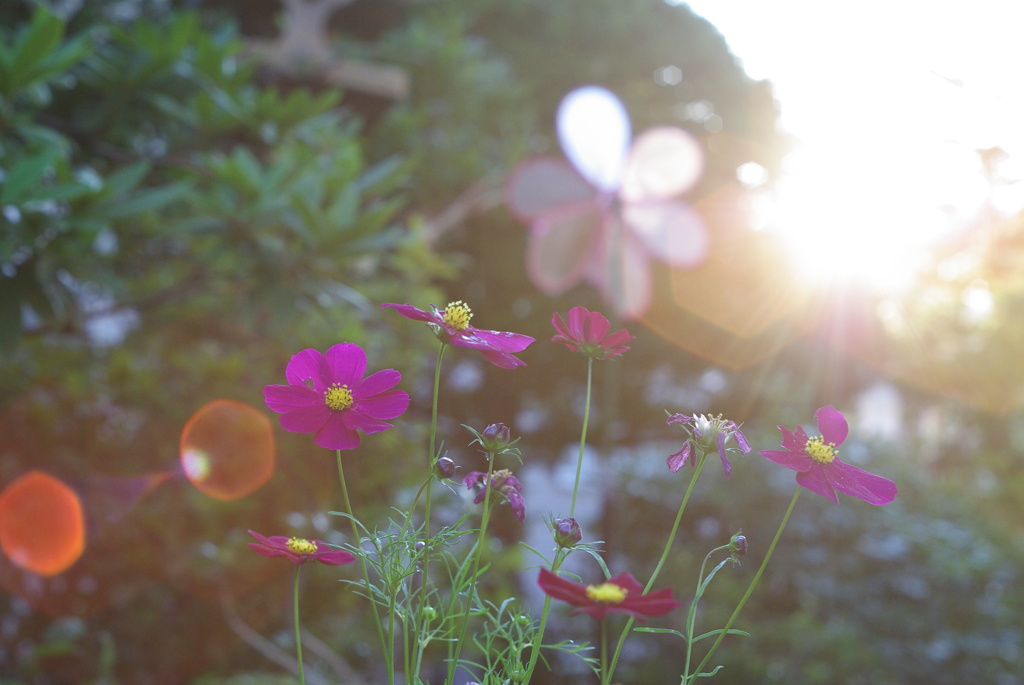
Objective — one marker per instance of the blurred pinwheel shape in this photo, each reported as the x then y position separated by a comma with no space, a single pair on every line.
602,215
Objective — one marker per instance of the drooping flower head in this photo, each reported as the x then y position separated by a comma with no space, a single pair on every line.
707,434
818,464
451,325
586,332
299,550
503,483
327,395
621,594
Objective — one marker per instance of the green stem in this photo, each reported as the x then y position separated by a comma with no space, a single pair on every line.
691,616
562,552
298,632
664,555
386,645
545,612
583,436
420,645
606,676
477,552
750,589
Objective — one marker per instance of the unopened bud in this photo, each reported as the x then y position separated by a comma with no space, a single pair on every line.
738,544
567,532
496,437
444,467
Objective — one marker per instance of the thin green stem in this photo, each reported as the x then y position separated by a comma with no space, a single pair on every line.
583,436
691,616
538,637
425,576
606,676
386,645
477,552
750,589
298,631
664,556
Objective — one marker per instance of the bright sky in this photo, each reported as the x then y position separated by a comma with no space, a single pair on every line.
889,100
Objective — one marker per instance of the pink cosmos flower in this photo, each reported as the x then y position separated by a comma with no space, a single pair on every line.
504,483
819,466
621,594
604,214
327,395
587,333
707,433
451,325
299,550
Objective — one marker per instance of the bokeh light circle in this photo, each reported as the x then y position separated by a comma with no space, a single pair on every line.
42,526
227,449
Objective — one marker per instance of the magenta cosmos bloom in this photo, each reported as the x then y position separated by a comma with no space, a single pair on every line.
451,325
819,466
299,550
621,594
707,433
504,483
586,332
327,395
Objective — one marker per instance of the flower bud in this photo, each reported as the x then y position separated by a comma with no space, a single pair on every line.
738,544
444,467
428,613
567,532
496,437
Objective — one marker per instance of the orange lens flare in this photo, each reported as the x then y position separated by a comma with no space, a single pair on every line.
227,449
42,527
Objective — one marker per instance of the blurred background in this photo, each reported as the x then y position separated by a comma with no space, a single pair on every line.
192,191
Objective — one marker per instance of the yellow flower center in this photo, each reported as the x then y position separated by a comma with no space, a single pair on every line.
498,479
819,451
338,397
606,593
301,546
457,315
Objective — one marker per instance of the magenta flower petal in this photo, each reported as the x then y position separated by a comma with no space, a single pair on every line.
386,405
376,383
410,312
858,483
816,480
335,435
793,440
348,363
798,461
308,365
367,424
680,458
586,332
832,425
284,398
305,419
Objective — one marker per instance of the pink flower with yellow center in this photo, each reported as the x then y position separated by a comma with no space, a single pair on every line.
819,466
299,550
451,325
327,395
586,332
621,594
